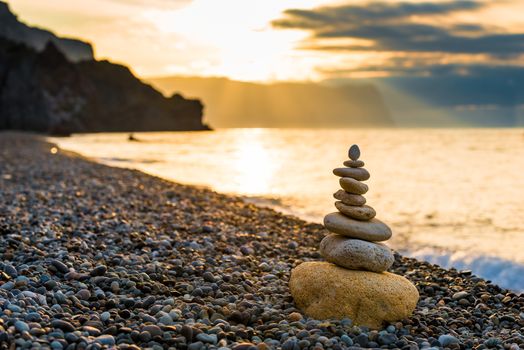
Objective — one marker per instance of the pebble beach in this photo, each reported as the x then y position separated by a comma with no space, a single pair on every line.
96,257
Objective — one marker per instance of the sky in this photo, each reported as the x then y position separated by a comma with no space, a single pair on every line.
270,40
431,60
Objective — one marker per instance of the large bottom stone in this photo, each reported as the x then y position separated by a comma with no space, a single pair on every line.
323,290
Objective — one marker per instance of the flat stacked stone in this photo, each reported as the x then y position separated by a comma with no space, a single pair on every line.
356,259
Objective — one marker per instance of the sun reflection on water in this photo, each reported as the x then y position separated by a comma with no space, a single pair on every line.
252,165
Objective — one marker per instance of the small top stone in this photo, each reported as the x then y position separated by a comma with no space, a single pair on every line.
354,152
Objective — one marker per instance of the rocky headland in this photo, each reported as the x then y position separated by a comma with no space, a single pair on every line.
97,257
37,38
47,86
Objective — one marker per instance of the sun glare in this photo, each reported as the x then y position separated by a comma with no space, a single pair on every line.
253,168
243,47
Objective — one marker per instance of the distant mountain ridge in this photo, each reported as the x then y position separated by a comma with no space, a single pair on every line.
232,103
45,91
12,29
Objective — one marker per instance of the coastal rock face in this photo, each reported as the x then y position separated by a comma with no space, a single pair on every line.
356,254
11,28
373,230
324,290
43,89
45,92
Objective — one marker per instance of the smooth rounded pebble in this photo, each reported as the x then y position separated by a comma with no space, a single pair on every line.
360,174
447,339
363,212
354,152
325,291
353,186
349,198
354,163
356,254
373,230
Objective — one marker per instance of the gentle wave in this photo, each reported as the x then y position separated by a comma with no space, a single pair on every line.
505,273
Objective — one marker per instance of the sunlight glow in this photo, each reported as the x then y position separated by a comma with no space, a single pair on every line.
252,167
245,47
235,38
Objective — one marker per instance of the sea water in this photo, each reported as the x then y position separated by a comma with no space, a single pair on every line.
454,197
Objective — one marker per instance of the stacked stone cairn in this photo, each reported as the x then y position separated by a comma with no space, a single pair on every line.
353,282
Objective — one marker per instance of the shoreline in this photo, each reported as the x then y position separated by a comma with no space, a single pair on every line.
425,227
108,256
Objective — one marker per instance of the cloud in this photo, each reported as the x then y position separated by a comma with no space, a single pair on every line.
390,27
328,16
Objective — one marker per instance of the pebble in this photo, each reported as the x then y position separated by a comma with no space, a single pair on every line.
55,344
460,295
373,230
83,294
33,317
207,338
244,346
106,339
60,266
153,330
99,270
354,152
447,339
349,198
364,212
63,325
295,316
10,270
362,340
354,163
145,336
347,340
387,339
208,277
21,326
353,186
196,346
359,174
356,254
493,342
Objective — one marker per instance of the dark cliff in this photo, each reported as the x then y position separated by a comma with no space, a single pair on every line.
45,92
53,85
11,28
